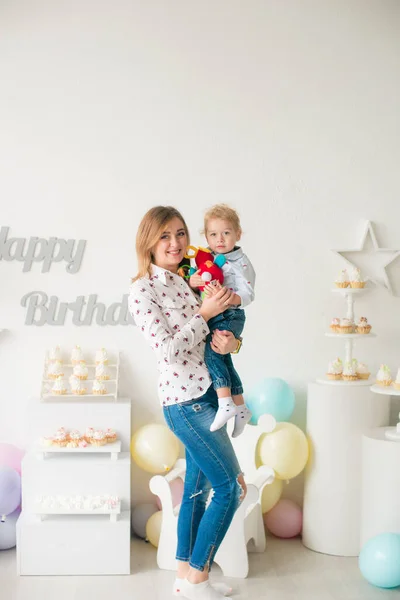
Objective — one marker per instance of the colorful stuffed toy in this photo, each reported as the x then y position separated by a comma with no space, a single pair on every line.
209,267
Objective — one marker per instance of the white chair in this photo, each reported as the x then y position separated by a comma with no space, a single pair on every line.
247,524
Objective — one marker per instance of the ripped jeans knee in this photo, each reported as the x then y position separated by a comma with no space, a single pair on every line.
243,486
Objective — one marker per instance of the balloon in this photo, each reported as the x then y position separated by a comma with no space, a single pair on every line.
153,528
379,560
140,515
285,519
176,493
8,532
271,494
285,450
10,490
154,448
271,396
11,456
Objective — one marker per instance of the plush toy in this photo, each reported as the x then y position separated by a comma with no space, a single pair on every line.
209,267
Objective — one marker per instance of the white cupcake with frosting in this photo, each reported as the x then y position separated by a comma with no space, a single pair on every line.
99,387
111,436
77,387
102,372
89,434
356,280
55,370
60,437
343,280
55,354
363,371
81,371
346,326
59,386
99,438
335,369
101,356
77,355
384,376
350,371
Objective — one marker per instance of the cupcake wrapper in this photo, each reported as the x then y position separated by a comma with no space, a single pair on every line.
350,377
79,392
342,284
363,375
334,376
396,386
357,284
364,329
81,377
346,329
384,382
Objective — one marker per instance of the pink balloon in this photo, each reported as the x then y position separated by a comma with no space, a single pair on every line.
285,519
11,456
176,492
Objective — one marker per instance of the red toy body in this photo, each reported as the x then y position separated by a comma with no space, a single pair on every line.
208,269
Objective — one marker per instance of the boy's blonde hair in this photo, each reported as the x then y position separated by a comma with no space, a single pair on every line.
149,232
223,211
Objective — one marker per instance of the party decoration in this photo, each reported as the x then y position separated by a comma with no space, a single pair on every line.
8,531
379,560
271,495
10,490
271,396
285,449
176,486
140,515
153,528
11,456
154,448
285,519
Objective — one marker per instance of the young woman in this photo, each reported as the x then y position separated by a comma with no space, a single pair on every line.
174,322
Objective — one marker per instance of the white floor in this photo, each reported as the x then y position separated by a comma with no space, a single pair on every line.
286,570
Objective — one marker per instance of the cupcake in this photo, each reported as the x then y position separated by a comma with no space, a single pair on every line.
59,386
350,371
346,326
46,441
55,354
111,436
363,326
101,356
60,438
89,434
335,369
77,386
55,369
383,376
334,326
99,387
80,370
363,371
75,438
102,372
77,355
396,383
356,281
99,438
343,280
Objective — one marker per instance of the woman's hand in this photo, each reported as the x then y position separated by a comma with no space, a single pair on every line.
195,281
216,304
223,342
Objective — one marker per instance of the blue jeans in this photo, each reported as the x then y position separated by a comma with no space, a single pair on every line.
220,366
210,463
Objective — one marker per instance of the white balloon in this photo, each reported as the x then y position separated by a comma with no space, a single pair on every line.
140,515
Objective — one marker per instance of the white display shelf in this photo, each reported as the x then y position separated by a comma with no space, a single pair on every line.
350,336
113,449
350,291
385,390
83,380
42,511
77,396
90,365
341,382
392,434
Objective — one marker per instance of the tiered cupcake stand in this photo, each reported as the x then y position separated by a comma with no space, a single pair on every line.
58,540
338,413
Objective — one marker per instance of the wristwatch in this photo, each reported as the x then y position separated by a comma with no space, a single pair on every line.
239,345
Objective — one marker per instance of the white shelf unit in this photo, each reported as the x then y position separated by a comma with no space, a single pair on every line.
75,542
387,390
113,365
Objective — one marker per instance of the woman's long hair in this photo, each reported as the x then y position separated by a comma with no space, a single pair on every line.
149,232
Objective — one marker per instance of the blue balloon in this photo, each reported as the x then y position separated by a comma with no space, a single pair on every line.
271,396
8,533
379,560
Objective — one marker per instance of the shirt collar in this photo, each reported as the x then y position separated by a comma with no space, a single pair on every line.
161,273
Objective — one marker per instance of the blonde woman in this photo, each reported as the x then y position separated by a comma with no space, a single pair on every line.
174,323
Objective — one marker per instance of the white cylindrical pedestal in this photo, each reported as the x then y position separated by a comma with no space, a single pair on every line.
337,416
380,490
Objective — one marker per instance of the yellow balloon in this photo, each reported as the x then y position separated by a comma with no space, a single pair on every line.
154,448
285,449
153,528
271,495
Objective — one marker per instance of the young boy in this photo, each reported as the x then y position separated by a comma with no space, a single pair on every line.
222,230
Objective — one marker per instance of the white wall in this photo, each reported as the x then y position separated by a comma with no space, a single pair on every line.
288,111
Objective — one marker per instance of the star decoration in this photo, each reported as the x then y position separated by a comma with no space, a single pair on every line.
371,259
